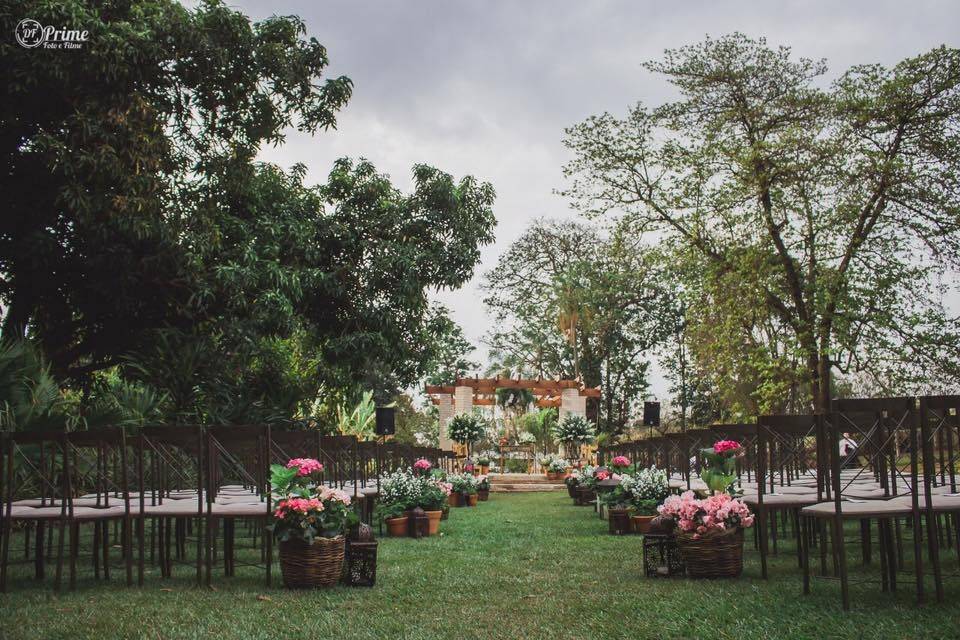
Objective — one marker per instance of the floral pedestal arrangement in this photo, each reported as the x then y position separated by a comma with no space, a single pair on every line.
310,566
709,533
309,521
715,555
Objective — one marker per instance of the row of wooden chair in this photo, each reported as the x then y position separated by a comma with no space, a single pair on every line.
802,472
162,491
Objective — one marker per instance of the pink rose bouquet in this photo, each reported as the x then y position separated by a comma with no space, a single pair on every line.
619,463
422,465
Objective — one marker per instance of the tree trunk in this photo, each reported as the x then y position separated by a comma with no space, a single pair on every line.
17,318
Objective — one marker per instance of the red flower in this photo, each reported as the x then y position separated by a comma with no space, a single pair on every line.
722,446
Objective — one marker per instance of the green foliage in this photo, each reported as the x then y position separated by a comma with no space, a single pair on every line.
828,214
29,396
360,420
576,301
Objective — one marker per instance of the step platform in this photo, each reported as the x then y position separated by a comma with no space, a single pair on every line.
522,483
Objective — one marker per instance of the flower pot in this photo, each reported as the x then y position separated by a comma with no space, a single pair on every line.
641,524
484,469
308,566
453,499
714,555
471,499
619,521
554,476
435,517
483,494
572,491
397,527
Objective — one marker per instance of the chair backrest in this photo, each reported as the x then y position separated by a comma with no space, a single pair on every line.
881,428
940,435
783,451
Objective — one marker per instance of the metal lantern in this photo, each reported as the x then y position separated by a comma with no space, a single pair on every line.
419,523
661,556
360,564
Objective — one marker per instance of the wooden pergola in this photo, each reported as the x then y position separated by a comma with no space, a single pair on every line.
547,393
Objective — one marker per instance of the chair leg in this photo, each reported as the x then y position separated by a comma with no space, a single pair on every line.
59,573
761,521
891,555
106,550
865,540
39,551
841,555
128,549
268,543
918,556
805,552
74,550
141,540
96,550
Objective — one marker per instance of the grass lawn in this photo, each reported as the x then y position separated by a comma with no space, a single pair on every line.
519,566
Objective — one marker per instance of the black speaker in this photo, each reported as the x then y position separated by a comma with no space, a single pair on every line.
651,414
385,421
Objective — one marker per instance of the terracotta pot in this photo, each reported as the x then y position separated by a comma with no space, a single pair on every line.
453,499
483,494
484,469
435,517
397,527
472,499
554,476
641,524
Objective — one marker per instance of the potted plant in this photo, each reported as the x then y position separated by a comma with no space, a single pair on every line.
433,497
586,485
399,492
483,488
619,503
465,484
720,465
309,520
709,533
571,480
465,428
646,489
484,463
621,465
573,431
554,466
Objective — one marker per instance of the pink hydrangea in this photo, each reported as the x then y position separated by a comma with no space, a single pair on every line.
602,475
422,465
722,446
620,461
305,466
300,505
445,487
336,495
717,513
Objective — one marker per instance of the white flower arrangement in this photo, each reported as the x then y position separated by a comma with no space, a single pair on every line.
553,463
400,487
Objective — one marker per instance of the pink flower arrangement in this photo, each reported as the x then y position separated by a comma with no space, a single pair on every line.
602,475
620,461
305,466
717,513
722,446
422,465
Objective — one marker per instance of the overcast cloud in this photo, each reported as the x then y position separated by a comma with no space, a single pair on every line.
486,88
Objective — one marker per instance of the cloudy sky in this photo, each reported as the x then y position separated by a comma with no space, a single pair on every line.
486,88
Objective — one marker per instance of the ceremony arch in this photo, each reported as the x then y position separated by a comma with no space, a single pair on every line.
569,396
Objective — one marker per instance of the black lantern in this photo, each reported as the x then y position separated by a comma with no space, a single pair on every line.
661,556
360,559
419,523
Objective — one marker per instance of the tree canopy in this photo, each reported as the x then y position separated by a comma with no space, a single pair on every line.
833,208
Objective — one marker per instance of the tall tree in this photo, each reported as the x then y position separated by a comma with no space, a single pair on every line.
839,206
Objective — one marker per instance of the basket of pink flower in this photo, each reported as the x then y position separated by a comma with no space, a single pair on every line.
710,533
309,521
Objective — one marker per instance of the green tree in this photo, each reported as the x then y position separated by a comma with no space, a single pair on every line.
838,205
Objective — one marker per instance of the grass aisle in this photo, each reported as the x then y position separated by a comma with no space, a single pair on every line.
519,566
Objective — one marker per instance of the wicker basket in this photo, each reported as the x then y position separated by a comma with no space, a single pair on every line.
715,556
308,566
